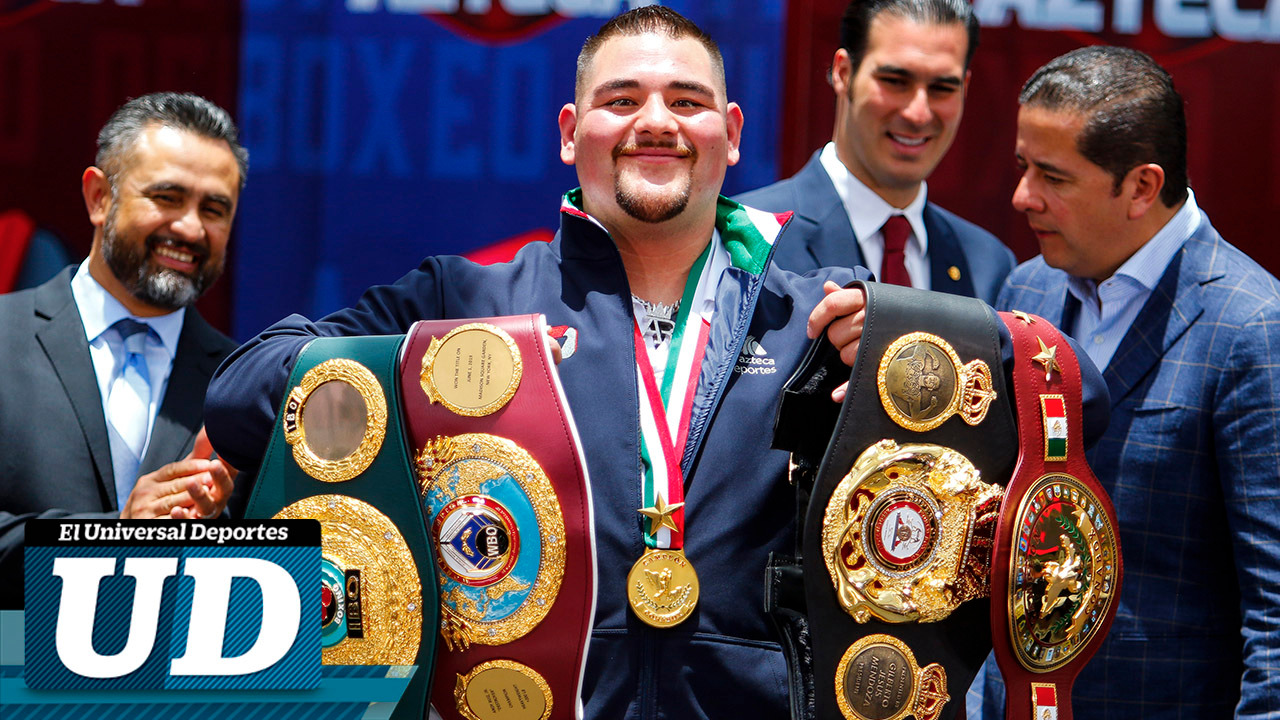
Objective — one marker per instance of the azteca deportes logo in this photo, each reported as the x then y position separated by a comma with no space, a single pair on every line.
498,20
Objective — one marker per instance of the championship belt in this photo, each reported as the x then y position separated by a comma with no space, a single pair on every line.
503,487
897,528
1057,567
338,455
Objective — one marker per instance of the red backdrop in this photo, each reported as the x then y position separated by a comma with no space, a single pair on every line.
65,67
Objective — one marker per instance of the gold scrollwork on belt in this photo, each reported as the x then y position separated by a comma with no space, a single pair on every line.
503,690
474,370
922,383
1062,572
498,534
378,620
335,420
878,678
907,534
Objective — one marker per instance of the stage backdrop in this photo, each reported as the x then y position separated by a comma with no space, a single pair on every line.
383,131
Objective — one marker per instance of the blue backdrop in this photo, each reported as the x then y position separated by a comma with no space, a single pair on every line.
380,136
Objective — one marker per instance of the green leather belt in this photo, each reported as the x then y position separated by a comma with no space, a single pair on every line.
339,455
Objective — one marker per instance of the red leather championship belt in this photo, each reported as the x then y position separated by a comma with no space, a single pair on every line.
507,506
1056,571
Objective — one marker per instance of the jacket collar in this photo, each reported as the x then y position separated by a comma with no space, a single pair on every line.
949,269
1173,307
748,234
61,335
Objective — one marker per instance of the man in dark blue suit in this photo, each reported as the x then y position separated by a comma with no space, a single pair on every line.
900,78
1187,330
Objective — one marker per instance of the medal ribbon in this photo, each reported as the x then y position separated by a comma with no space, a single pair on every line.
665,410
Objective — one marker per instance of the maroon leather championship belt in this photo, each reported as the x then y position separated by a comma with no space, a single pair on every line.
1056,571
507,506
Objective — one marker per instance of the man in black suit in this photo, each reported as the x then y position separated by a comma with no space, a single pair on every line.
900,77
105,366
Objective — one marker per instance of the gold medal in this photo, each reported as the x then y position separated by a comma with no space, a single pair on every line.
662,588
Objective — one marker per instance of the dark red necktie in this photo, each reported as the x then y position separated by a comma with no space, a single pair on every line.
893,269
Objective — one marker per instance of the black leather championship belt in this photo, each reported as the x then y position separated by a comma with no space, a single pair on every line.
899,490
1056,574
504,491
338,454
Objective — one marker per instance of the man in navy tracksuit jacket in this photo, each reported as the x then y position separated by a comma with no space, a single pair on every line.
650,125
722,661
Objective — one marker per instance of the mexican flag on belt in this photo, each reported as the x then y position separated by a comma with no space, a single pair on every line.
1055,427
1044,701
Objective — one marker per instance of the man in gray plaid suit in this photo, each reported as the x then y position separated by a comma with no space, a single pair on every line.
1187,330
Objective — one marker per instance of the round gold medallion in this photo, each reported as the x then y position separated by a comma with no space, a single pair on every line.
473,370
662,588
335,420
503,690
922,382
1062,572
878,679
369,589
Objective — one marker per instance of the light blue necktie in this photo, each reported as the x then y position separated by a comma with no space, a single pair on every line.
129,407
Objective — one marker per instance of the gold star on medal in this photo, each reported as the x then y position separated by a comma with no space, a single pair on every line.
1048,357
660,515
1023,317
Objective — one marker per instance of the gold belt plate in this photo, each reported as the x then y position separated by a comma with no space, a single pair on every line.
922,383
1062,572
474,370
908,532
335,420
358,540
878,678
502,690
498,535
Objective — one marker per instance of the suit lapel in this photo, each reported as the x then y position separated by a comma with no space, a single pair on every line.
819,206
182,409
61,335
1172,308
945,254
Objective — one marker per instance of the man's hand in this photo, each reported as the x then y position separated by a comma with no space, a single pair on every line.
193,488
190,488
841,313
556,350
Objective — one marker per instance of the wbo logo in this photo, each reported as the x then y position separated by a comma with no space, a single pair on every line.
150,605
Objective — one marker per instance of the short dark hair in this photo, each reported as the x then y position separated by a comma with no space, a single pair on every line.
181,111
640,21
1133,113
855,26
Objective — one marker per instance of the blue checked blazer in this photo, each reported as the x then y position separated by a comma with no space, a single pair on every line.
1192,461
